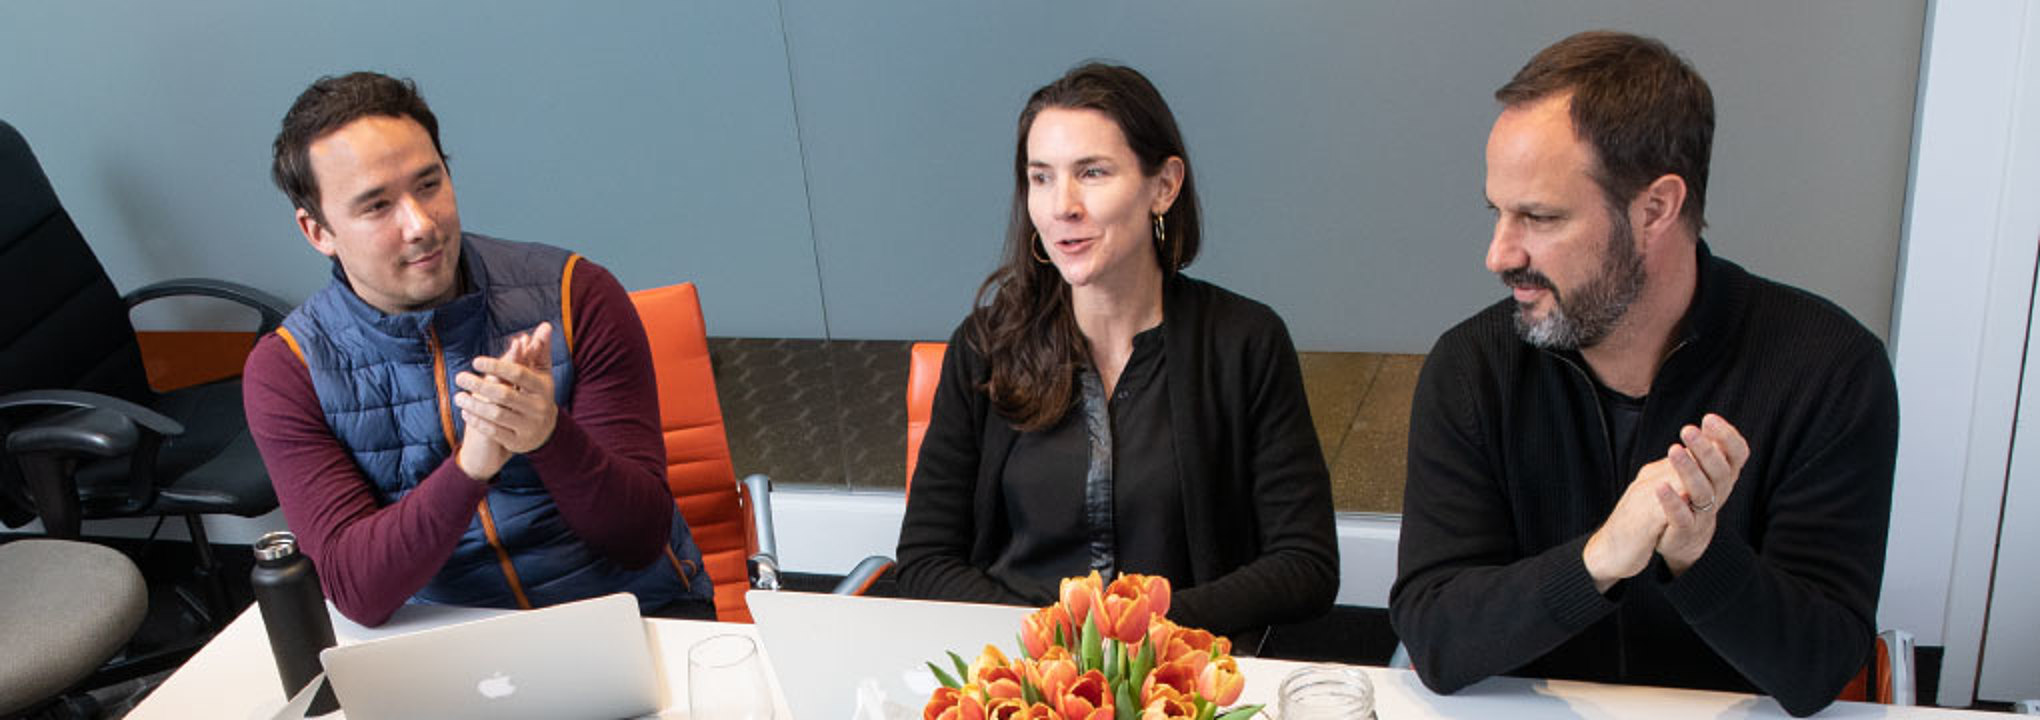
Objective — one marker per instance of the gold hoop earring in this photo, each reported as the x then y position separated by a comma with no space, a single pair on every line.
1034,249
1162,241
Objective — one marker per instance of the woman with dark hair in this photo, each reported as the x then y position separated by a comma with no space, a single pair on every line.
1100,411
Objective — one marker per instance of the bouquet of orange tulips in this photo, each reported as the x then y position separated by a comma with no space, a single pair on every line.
1101,653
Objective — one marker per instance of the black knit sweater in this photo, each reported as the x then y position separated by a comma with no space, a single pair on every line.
1511,469
1256,497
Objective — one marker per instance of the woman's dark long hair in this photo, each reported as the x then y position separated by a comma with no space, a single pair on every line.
1022,323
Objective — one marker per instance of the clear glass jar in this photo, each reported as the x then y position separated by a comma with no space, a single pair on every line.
1327,692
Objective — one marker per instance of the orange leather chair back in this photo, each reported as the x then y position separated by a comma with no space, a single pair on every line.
176,359
1872,684
698,468
924,371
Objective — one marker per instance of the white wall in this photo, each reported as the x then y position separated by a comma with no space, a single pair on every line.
826,532
1961,314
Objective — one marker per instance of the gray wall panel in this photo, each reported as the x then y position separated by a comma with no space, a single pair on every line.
656,138
1338,145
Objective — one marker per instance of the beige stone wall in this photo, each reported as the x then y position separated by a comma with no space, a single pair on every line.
833,414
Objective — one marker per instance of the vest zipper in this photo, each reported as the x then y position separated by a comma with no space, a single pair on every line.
452,441
680,567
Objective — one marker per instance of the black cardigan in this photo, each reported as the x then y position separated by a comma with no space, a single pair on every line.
1511,469
1256,495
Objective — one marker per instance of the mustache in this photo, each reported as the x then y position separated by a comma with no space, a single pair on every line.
1526,277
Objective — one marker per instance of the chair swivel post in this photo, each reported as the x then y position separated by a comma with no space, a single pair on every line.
764,561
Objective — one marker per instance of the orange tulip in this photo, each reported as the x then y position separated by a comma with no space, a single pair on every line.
995,674
1014,709
1221,681
1174,641
990,657
1179,677
1160,632
1167,705
1054,673
1155,587
954,704
1129,604
1079,595
1000,682
1037,631
1089,699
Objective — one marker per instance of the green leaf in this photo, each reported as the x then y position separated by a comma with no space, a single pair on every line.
1143,664
1112,670
1090,654
1125,706
1021,642
947,681
1028,692
962,668
1205,709
1240,713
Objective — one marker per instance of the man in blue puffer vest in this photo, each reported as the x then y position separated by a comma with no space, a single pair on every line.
454,418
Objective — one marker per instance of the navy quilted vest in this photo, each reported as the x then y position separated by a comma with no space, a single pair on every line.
378,382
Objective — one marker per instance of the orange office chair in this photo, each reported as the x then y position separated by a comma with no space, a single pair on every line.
731,521
924,371
1888,677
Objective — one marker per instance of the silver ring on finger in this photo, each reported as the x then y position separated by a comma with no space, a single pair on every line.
1703,507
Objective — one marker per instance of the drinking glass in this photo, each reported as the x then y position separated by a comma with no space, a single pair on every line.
726,680
1325,692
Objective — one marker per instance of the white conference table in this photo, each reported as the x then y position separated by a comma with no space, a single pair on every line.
234,677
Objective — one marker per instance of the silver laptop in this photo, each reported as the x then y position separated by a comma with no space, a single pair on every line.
586,659
823,647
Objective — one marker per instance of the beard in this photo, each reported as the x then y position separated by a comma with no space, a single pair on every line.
1583,317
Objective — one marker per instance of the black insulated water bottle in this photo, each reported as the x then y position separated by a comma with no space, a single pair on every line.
293,610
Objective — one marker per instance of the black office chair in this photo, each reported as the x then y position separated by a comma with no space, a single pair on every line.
85,436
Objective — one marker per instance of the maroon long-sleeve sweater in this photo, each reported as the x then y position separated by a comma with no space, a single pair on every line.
604,464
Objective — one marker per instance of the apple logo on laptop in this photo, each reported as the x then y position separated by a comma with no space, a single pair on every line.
495,686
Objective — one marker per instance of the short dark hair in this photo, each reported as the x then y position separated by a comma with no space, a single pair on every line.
329,104
1640,106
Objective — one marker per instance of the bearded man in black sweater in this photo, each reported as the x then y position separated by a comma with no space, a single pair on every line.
1648,465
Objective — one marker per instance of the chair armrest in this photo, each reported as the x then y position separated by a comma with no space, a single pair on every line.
148,419
271,308
861,577
96,425
1897,646
756,490
78,431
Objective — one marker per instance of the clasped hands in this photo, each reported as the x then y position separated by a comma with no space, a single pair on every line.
1669,509
507,404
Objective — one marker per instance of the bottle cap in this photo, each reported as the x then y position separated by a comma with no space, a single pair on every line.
275,545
